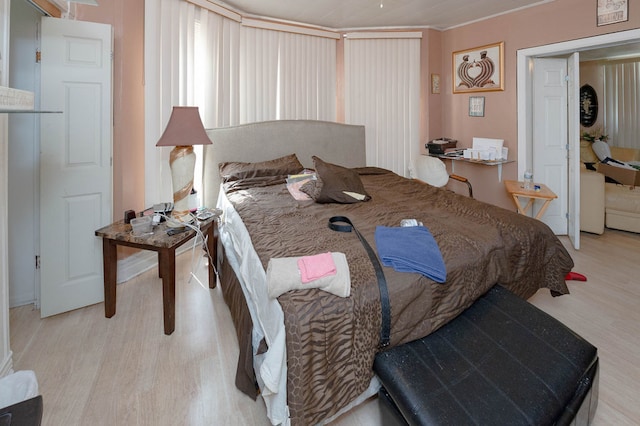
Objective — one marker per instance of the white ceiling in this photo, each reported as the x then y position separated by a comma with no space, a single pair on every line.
352,14
439,14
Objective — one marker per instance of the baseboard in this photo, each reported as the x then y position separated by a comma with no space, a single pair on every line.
136,264
142,261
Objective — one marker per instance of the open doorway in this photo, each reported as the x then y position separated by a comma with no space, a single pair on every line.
525,76
23,158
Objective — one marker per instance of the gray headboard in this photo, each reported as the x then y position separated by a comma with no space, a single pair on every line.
336,143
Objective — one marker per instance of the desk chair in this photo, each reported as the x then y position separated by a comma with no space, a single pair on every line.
433,171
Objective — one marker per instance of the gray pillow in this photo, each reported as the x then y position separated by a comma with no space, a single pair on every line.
234,170
335,184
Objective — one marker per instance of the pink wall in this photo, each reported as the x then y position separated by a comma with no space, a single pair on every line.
557,21
430,103
443,114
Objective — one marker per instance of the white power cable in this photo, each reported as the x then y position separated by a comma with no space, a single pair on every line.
199,234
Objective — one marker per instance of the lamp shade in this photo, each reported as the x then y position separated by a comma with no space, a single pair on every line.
184,128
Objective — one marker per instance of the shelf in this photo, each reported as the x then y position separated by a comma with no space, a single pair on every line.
27,111
490,163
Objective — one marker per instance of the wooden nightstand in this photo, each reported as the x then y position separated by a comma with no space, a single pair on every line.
119,233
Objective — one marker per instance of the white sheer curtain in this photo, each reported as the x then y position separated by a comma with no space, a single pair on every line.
286,76
191,58
622,103
198,54
382,91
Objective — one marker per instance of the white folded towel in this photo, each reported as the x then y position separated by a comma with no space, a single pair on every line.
283,275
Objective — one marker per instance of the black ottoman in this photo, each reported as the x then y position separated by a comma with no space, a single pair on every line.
501,362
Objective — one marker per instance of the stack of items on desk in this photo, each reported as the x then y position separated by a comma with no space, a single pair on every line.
485,149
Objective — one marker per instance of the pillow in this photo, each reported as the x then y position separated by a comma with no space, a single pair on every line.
234,170
335,184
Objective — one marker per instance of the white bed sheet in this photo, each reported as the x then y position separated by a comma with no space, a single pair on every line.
266,314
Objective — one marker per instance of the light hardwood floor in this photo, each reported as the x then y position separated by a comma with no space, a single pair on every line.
125,371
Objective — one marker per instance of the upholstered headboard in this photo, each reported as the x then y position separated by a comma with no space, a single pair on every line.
337,143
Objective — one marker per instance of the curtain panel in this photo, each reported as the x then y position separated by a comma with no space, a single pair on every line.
286,76
622,103
191,58
382,92
197,54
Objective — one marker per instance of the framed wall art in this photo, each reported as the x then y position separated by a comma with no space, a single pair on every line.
476,106
612,11
435,83
480,69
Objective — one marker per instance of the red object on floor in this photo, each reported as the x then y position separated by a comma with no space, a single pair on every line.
574,276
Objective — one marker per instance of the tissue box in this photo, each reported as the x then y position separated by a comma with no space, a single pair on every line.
438,146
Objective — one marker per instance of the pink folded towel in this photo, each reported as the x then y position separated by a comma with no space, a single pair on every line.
316,266
283,275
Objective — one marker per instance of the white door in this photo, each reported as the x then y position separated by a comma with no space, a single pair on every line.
75,161
550,138
573,92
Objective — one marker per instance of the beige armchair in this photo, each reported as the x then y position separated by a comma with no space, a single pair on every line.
607,204
592,197
622,207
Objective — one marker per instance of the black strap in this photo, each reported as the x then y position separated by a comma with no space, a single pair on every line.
385,330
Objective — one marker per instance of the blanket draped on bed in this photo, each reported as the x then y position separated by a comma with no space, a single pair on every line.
331,341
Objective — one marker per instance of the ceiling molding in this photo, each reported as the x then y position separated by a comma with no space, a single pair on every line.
384,34
290,28
216,8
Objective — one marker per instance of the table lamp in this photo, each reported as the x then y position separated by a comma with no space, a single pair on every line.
184,130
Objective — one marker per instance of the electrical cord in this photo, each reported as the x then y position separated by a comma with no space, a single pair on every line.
199,234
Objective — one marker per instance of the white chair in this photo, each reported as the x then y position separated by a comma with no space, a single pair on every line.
433,171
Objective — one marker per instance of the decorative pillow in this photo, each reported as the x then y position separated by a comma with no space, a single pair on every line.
335,184
233,170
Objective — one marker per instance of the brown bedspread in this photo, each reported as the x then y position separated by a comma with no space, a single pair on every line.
331,341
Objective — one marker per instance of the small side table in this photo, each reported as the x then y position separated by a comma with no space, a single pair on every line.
516,190
119,233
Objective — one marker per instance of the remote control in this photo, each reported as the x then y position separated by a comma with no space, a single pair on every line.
174,231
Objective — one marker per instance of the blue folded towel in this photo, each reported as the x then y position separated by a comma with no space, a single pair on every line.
411,249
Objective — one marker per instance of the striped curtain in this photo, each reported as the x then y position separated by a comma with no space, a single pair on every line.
621,107
382,92
191,57
286,76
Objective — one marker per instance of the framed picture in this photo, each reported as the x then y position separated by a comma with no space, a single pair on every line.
476,106
612,11
480,69
435,83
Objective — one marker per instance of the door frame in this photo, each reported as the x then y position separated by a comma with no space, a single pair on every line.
24,234
524,78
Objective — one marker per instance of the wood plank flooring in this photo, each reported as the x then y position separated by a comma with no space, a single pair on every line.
124,371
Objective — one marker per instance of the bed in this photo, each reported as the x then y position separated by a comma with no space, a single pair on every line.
309,351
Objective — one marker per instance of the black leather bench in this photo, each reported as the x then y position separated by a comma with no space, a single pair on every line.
501,362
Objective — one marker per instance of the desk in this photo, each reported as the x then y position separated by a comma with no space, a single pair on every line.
516,190
119,233
455,158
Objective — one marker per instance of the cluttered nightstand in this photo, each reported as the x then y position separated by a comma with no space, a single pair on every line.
158,240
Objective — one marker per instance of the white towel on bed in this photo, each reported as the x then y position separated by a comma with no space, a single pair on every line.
283,275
